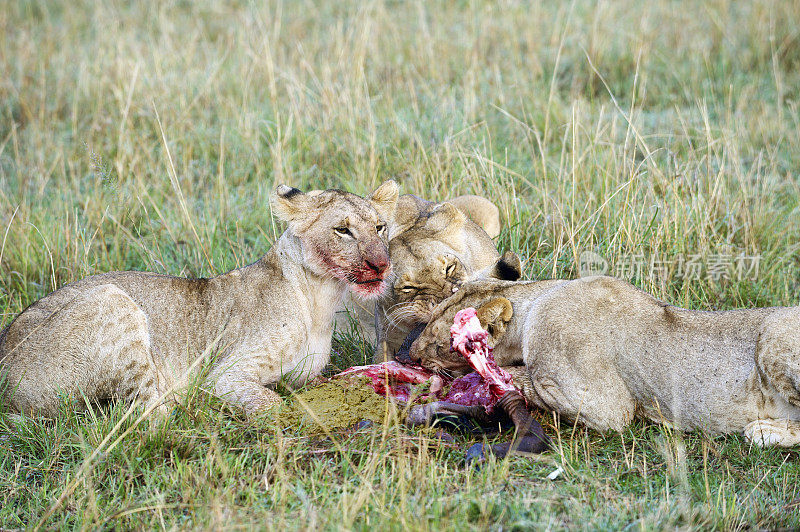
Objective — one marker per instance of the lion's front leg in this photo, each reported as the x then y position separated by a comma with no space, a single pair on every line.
239,386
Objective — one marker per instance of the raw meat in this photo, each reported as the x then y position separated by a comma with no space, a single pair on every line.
405,382
401,379
470,340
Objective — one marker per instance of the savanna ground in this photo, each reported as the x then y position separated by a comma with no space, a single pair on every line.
149,135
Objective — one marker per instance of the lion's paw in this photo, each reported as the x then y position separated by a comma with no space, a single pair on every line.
773,432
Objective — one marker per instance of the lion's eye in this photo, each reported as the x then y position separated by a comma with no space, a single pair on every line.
408,288
380,228
342,231
451,268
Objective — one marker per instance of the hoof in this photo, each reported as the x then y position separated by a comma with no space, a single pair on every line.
475,455
403,354
443,436
453,416
526,445
531,443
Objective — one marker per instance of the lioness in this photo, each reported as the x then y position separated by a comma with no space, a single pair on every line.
436,248
136,334
601,351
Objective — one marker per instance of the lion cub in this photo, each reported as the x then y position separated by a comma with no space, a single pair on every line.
434,249
136,335
601,351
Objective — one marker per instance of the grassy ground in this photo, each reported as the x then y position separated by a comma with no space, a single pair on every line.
138,136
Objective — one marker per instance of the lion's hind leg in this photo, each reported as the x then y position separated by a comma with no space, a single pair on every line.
778,354
773,433
574,403
778,367
94,345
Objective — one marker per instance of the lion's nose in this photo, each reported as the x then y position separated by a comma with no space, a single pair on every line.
377,264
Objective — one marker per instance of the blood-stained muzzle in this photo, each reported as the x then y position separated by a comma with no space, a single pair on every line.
368,276
376,257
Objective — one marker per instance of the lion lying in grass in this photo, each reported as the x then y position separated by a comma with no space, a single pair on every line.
138,335
600,351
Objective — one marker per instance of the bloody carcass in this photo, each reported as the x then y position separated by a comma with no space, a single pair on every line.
476,394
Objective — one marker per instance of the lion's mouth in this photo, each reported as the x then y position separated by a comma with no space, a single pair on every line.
369,281
368,288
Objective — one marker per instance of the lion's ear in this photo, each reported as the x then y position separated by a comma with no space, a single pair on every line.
495,315
384,199
409,209
288,203
507,268
446,218
480,210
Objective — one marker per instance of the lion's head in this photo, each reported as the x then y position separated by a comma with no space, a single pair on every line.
432,348
342,235
434,249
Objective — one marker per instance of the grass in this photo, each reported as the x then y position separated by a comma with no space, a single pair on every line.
148,137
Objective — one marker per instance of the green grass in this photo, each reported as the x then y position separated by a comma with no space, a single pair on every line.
149,137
